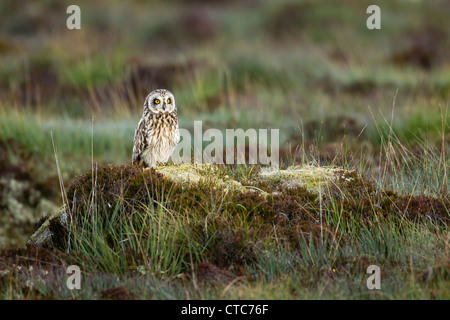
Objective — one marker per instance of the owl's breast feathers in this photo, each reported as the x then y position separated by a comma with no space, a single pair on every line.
155,138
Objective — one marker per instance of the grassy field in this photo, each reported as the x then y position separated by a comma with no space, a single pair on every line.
373,102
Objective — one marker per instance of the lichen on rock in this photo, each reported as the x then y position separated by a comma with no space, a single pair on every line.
308,177
20,205
44,236
194,173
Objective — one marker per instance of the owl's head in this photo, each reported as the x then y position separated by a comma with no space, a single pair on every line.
160,101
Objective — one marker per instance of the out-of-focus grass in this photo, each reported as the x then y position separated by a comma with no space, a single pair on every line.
76,140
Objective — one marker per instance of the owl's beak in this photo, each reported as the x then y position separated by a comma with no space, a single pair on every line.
164,107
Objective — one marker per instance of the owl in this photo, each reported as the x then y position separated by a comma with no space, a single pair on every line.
157,133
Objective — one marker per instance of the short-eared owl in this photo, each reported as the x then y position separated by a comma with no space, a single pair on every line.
157,132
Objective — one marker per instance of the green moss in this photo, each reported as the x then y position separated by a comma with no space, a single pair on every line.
308,177
193,174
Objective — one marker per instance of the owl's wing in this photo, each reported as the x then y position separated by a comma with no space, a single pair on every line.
140,141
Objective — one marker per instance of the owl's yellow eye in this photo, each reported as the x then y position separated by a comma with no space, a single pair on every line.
156,101
169,101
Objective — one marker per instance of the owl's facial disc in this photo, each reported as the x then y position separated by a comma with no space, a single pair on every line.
161,101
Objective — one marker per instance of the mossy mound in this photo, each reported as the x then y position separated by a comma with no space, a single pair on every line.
186,187
230,221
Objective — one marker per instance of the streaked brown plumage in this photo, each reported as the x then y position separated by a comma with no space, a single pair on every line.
157,132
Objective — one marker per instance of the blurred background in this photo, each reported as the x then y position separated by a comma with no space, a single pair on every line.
336,90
